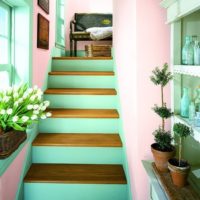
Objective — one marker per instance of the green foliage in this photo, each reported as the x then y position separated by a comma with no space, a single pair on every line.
161,76
163,139
21,106
181,130
163,112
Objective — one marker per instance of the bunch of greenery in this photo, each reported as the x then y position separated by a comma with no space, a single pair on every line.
162,77
182,131
20,106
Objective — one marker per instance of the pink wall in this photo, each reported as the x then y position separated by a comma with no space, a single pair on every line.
88,6
140,44
41,57
9,182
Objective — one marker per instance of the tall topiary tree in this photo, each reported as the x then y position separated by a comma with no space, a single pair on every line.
161,77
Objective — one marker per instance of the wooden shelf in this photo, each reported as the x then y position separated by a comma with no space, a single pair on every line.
190,70
173,192
187,122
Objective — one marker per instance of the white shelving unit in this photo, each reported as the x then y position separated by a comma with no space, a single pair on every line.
184,19
190,70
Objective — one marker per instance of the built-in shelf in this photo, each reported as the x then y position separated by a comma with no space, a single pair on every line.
190,70
186,121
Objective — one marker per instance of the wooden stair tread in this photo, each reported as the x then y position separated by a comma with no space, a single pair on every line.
82,58
81,91
82,73
83,113
76,173
78,140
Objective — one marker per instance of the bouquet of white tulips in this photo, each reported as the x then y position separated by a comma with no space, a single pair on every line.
20,106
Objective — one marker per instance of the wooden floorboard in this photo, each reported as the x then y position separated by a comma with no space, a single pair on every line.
76,173
78,140
82,58
82,73
80,91
83,113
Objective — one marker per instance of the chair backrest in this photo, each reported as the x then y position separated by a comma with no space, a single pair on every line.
88,20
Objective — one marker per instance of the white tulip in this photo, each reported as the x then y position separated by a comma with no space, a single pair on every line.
43,116
3,112
36,106
16,104
30,90
25,95
25,118
35,87
43,108
6,99
48,114
15,95
15,118
9,91
30,107
9,111
20,100
33,98
34,117
46,103
36,112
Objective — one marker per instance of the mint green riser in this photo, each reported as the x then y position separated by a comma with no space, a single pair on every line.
82,101
81,82
83,65
77,155
43,191
68,125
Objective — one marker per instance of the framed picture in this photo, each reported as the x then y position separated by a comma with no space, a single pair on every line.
42,32
44,4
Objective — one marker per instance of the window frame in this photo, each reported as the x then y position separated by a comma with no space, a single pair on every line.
7,67
59,22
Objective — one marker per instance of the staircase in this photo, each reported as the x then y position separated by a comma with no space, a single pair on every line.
78,154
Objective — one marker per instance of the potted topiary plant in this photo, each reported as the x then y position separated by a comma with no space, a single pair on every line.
19,107
179,168
162,150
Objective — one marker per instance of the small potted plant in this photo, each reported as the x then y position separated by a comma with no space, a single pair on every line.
20,106
179,168
162,149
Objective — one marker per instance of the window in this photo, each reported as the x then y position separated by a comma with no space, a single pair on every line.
5,45
60,26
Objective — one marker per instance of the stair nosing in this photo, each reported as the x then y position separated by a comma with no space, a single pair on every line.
77,140
76,174
83,58
81,73
84,113
80,91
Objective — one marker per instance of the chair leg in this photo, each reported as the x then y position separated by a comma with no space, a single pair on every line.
75,48
71,47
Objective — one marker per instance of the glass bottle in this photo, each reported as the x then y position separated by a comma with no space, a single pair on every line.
185,102
192,111
196,53
188,52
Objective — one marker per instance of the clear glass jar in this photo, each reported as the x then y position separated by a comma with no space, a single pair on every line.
188,51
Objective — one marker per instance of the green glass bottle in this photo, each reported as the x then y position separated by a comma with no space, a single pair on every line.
185,102
188,51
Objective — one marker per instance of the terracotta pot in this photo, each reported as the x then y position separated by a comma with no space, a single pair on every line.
161,157
179,174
